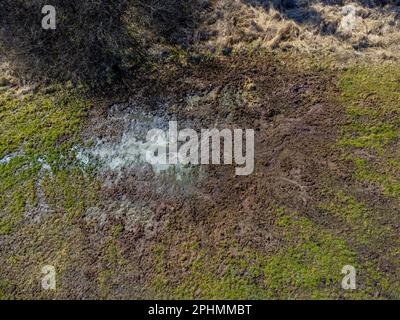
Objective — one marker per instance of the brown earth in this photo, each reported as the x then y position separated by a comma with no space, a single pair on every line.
296,114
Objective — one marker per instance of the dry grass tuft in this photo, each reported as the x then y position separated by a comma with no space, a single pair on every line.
344,28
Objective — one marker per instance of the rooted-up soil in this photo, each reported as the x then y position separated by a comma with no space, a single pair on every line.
149,235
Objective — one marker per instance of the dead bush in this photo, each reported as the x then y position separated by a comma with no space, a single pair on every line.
92,43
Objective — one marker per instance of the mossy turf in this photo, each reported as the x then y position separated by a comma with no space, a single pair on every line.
307,266
372,133
36,140
370,140
41,182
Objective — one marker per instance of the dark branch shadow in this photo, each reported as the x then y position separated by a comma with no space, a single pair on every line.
91,43
97,42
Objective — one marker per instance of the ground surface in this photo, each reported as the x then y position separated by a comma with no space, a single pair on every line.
325,192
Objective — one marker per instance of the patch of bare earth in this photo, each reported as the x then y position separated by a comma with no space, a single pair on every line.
295,115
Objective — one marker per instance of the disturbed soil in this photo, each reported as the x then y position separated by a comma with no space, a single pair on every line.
146,231
294,117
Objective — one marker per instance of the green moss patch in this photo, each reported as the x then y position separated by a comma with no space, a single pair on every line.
308,265
40,179
371,135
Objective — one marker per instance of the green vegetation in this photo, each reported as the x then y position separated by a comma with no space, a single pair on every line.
372,133
115,266
308,266
370,140
241,268
38,133
40,179
367,232
311,263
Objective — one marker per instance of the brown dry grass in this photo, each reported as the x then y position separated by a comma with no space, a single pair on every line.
374,31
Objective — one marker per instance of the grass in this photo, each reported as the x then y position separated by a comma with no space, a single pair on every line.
73,193
308,266
369,140
115,266
372,98
40,178
368,232
38,133
238,280
35,123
